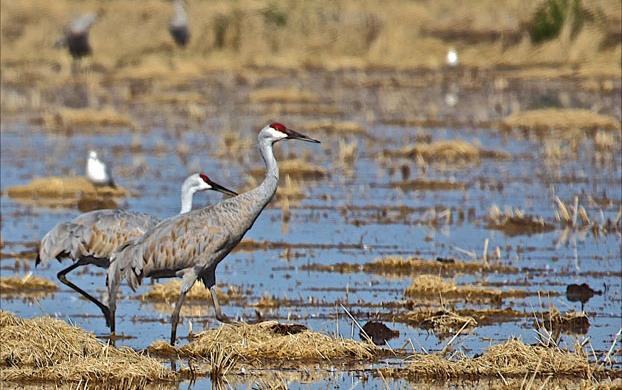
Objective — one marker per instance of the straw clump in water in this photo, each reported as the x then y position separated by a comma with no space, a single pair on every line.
510,359
270,340
62,187
26,285
50,350
69,118
398,265
450,151
169,292
515,222
444,323
433,286
565,119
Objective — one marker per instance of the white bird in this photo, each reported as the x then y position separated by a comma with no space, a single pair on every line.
97,171
91,237
452,57
191,245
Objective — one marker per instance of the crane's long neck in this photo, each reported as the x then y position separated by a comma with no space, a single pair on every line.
187,192
267,188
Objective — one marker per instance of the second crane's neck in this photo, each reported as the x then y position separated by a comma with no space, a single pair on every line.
268,187
187,192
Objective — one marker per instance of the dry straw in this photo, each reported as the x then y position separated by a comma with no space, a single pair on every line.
62,187
510,359
450,151
27,285
565,119
169,292
49,350
272,341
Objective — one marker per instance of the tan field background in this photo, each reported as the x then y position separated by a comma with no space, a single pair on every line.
132,36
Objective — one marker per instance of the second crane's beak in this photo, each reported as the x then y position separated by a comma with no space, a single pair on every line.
291,134
219,188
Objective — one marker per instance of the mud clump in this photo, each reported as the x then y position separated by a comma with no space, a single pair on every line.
580,293
28,285
563,119
443,323
510,359
49,350
68,188
515,222
272,341
571,322
378,332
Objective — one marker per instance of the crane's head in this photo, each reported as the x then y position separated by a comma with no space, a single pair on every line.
275,132
202,182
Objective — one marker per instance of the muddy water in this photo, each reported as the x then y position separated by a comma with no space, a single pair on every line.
353,215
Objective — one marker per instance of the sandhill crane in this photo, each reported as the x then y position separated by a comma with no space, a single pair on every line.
97,171
190,246
91,237
179,24
76,36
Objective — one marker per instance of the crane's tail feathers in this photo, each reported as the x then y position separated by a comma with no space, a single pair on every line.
64,240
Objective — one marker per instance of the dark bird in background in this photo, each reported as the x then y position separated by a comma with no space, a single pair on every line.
76,36
580,293
179,24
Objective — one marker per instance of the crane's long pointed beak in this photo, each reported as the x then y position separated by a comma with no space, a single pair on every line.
291,134
224,190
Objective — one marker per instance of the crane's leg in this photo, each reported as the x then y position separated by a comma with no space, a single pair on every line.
175,316
62,276
209,280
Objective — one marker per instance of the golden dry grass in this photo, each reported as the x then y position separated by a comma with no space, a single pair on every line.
67,119
562,119
169,292
329,34
27,285
510,359
278,95
62,187
49,350
449,151
398,265
434,286
272,341
429,185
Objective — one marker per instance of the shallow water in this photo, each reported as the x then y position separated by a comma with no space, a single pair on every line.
348,217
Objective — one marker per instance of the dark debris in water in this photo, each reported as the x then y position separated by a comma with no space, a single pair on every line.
378,332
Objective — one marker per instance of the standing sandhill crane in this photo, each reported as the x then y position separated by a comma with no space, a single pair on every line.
179,24
97,171
91,237
190,246
76,36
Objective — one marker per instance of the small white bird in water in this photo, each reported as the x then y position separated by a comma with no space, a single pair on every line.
452,57
97,172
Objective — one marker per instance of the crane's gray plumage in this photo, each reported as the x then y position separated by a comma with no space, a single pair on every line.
191,245
92,237
179,24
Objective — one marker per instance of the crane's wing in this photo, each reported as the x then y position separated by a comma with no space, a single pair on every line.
95,234
173,245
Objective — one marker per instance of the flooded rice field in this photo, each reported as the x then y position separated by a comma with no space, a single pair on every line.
427,207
